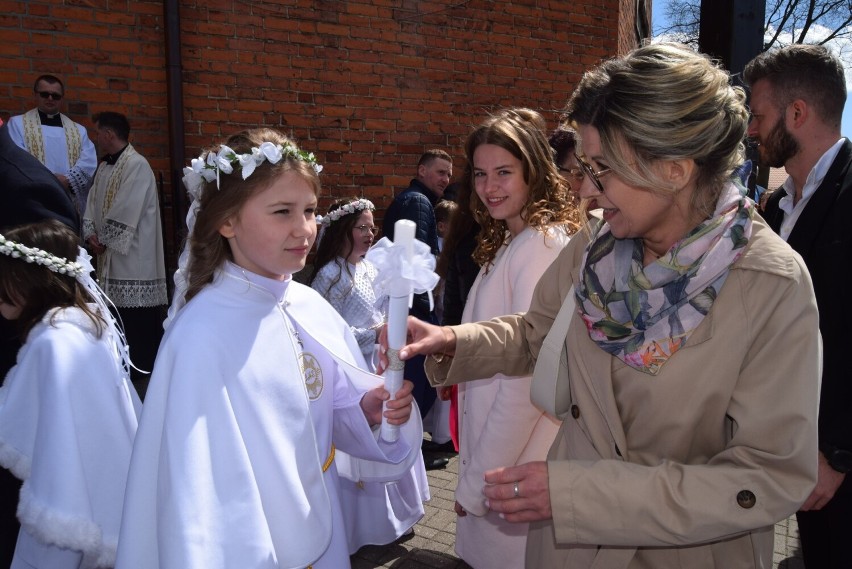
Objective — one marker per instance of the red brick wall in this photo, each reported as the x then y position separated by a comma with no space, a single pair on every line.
367,85
634,24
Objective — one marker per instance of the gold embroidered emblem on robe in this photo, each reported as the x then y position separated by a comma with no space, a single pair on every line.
313,375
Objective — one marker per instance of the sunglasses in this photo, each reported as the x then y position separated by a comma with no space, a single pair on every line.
49,95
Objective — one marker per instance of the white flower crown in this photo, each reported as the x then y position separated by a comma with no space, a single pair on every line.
40,257
352,207
208,168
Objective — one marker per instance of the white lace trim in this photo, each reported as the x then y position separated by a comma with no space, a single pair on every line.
136,294
116,236
71,532
79,180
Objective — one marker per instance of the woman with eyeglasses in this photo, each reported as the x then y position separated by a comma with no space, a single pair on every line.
374,513
677,338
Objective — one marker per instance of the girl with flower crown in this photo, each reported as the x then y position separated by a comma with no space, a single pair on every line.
257,390
375,512
68,411
341,274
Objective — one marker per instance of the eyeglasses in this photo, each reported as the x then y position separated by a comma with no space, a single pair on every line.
365,229
595,176
576,173
49,95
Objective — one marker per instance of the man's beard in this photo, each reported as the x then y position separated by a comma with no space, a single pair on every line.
779,146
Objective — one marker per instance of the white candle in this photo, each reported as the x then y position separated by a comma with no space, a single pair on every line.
398,305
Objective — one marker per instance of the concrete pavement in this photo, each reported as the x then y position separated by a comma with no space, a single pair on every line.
431,545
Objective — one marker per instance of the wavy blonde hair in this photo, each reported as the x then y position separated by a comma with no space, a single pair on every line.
664,102
208,249
550,202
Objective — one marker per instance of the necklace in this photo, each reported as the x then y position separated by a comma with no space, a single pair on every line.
648,251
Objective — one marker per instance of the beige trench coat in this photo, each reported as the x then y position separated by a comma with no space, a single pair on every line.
687,469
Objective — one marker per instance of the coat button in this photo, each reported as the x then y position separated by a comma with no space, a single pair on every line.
746,499
575,411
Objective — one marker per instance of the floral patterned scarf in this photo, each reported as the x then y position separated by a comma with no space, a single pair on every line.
644,314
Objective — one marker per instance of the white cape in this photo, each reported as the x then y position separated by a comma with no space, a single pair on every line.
227,469
68,415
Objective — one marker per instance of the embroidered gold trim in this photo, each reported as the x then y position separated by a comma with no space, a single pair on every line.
312,372
115,179
34,137
112,188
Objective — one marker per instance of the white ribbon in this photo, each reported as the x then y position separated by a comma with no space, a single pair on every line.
115,328
393,266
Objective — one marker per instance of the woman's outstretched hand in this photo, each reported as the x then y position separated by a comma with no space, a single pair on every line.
519,493
399,408
422,337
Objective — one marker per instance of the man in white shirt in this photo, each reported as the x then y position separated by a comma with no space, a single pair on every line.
797,98
59,143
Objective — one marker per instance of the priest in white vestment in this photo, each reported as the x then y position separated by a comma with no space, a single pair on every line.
122,226
59,143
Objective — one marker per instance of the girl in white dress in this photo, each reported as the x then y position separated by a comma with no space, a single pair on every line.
375,513
253,390
341,274
68,412
526,215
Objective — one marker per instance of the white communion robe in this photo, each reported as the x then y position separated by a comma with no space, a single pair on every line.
375,513
228,466
68,415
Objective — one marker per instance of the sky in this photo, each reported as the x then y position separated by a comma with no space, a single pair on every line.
660,21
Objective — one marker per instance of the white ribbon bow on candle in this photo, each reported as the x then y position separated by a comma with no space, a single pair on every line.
392,265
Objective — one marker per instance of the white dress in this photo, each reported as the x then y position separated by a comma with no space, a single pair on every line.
351,294
498,425
235,461
68,415
375,513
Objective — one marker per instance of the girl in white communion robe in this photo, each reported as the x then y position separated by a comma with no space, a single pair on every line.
68,412
254,387
378,512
